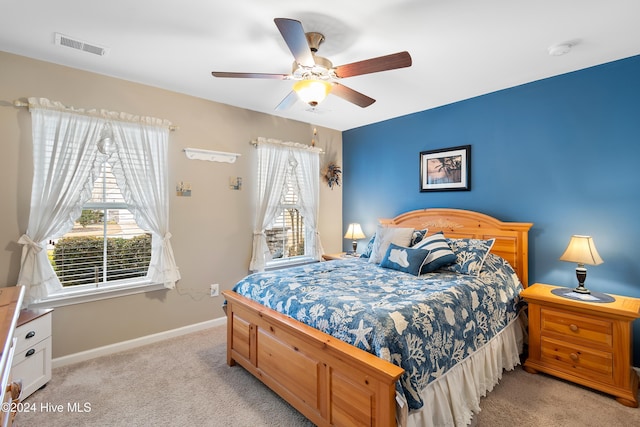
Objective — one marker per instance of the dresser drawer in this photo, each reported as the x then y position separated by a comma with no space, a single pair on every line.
577,326
33,332
578,360
33,366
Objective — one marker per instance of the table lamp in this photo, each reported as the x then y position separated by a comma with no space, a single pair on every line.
354,232
581,250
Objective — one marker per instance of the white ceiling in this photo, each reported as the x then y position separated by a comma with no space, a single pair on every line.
460,48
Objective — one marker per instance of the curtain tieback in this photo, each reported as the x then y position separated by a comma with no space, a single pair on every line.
259,233
26,240
166,237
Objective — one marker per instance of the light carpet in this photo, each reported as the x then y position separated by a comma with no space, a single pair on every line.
185,381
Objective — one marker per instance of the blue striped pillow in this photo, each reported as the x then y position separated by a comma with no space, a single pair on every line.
440,254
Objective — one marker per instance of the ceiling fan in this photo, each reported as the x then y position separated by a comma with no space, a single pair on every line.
316,76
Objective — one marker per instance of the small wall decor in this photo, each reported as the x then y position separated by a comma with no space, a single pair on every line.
446,169
183,189
331,175
235,182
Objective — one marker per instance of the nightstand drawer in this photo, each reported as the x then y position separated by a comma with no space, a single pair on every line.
577,360
33,332
575,326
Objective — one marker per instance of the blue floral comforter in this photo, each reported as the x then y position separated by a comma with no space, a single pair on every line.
424,324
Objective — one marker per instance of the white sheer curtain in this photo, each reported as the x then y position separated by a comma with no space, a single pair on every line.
64,157
273,160
308,173
141,173
67,160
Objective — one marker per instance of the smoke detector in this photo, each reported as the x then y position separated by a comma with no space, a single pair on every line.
560,49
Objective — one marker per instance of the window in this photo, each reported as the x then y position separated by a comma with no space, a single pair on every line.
98,224
105,246
286,234
285,228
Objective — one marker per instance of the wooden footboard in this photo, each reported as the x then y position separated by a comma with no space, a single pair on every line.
327,380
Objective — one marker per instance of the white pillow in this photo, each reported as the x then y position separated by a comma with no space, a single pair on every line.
384,237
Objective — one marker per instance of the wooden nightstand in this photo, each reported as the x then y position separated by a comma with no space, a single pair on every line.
588,343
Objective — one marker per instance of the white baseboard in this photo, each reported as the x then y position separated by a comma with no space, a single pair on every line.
148,339
134,343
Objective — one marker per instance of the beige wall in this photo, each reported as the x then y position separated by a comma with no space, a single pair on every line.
211,230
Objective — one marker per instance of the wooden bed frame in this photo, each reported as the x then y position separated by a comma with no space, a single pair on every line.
327,380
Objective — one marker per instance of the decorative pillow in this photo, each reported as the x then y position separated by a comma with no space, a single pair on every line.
384,237
417,237
369,248
470,255
409,260
440,254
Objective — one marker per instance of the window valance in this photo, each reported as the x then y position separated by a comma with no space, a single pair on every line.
46,104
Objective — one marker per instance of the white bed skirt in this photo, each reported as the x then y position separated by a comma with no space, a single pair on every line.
453,399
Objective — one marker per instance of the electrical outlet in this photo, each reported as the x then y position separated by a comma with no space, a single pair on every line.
215,290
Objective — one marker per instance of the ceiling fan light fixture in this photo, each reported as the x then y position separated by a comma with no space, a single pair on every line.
312,91
315,76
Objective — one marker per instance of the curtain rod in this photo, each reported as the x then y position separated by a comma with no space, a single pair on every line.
262,140
18,103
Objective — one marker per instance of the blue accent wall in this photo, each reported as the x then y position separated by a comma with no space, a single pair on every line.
563,153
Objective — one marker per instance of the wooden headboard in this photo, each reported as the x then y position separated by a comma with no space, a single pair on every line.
512,238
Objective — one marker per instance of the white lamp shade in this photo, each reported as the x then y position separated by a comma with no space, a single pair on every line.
581,250
354,232
312,92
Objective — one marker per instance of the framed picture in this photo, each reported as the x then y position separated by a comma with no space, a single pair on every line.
446,169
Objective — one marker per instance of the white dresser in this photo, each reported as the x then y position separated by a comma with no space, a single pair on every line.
32,359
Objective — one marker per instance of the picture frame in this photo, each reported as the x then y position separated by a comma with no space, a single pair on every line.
446,169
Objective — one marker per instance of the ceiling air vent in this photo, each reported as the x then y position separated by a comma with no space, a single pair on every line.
62,40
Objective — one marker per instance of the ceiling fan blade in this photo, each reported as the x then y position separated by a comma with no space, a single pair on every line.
351,95
374,65
250,75
287,102
294,36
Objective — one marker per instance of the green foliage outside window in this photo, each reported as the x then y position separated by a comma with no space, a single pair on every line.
79,260
90,216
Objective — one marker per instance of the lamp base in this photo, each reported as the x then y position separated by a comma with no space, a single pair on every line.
355,246
582,290
581,274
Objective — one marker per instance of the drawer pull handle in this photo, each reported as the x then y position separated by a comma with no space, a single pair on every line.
573,327
31,352
574,357
30,334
